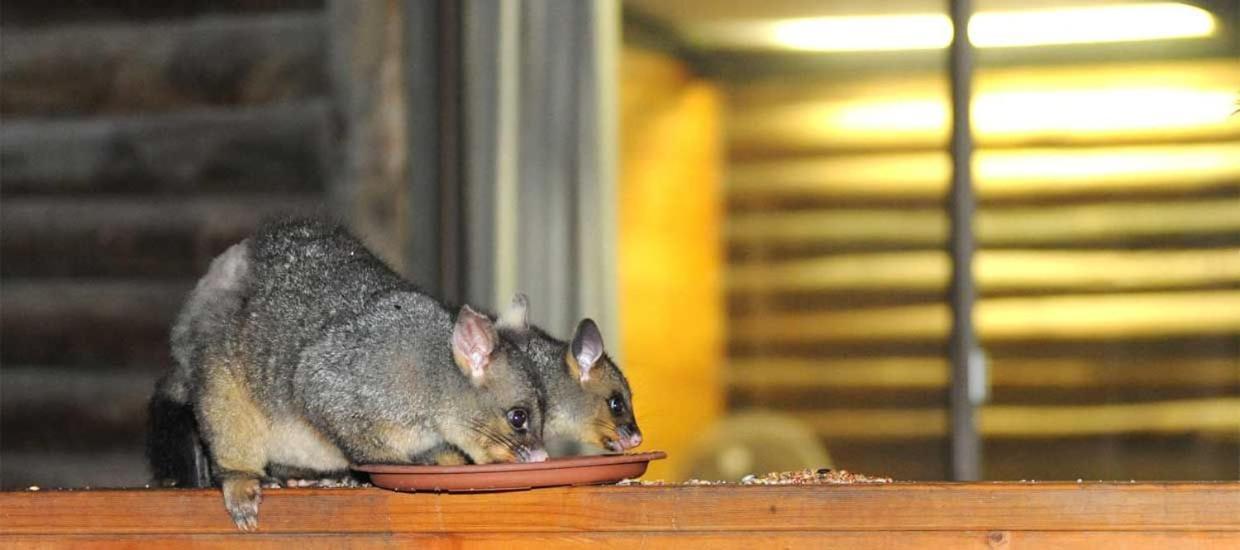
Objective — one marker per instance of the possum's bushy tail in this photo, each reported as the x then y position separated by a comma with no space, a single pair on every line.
174,449
176,454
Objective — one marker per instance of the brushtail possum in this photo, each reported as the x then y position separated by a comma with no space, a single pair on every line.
299,350
589,403
589,406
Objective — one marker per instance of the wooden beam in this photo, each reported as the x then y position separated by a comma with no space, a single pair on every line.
1219,416
789,374
909,110
52,409
825,540
1177,221
62,322
39,13
260,149
118,68
1045,318
998,271
1008,174
133,237
942,507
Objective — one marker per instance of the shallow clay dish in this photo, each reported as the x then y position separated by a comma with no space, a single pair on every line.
585,470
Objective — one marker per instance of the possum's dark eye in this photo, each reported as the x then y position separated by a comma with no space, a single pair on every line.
518,418
615,404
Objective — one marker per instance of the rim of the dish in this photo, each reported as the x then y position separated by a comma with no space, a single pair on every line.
551,464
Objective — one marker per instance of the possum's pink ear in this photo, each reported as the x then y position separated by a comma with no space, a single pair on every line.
585,350
473,341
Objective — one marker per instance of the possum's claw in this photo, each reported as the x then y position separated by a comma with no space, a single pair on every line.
241,498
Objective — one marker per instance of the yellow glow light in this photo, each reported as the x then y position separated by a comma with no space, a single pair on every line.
1093,104
863,33
1069,25
1089,25
1000,173
1101,109
1023,112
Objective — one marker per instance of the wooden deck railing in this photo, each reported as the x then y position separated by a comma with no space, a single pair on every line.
978,515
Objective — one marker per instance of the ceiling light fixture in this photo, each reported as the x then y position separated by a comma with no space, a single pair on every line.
1005,29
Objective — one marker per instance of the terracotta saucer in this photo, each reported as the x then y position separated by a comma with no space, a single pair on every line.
584,470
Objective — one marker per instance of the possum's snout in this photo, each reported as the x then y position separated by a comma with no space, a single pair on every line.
535,455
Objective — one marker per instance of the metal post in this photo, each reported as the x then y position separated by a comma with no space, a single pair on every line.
965,449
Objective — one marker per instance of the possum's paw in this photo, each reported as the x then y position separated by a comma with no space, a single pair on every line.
241,498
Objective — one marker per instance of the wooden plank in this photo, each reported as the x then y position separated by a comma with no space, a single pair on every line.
131,237
1068,104
1147,315
1009,174
515,540
902,507
117,68
1153,540
66,409
273,148
95,322
1002,271
732,540
1122,457
40,13
1219,415
787,373
1182,221
1203,345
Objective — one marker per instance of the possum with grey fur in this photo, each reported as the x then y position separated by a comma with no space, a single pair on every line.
299,350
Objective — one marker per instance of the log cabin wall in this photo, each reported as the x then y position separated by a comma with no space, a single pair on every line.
1108,267
138,141
1107,176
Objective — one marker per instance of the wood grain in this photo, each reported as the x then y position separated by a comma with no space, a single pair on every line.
540,541
1188,507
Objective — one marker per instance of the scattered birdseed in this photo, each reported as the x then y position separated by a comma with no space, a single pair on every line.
643,482
821,476
347,481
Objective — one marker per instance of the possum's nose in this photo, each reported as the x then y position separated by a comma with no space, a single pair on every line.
630,436
536,455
